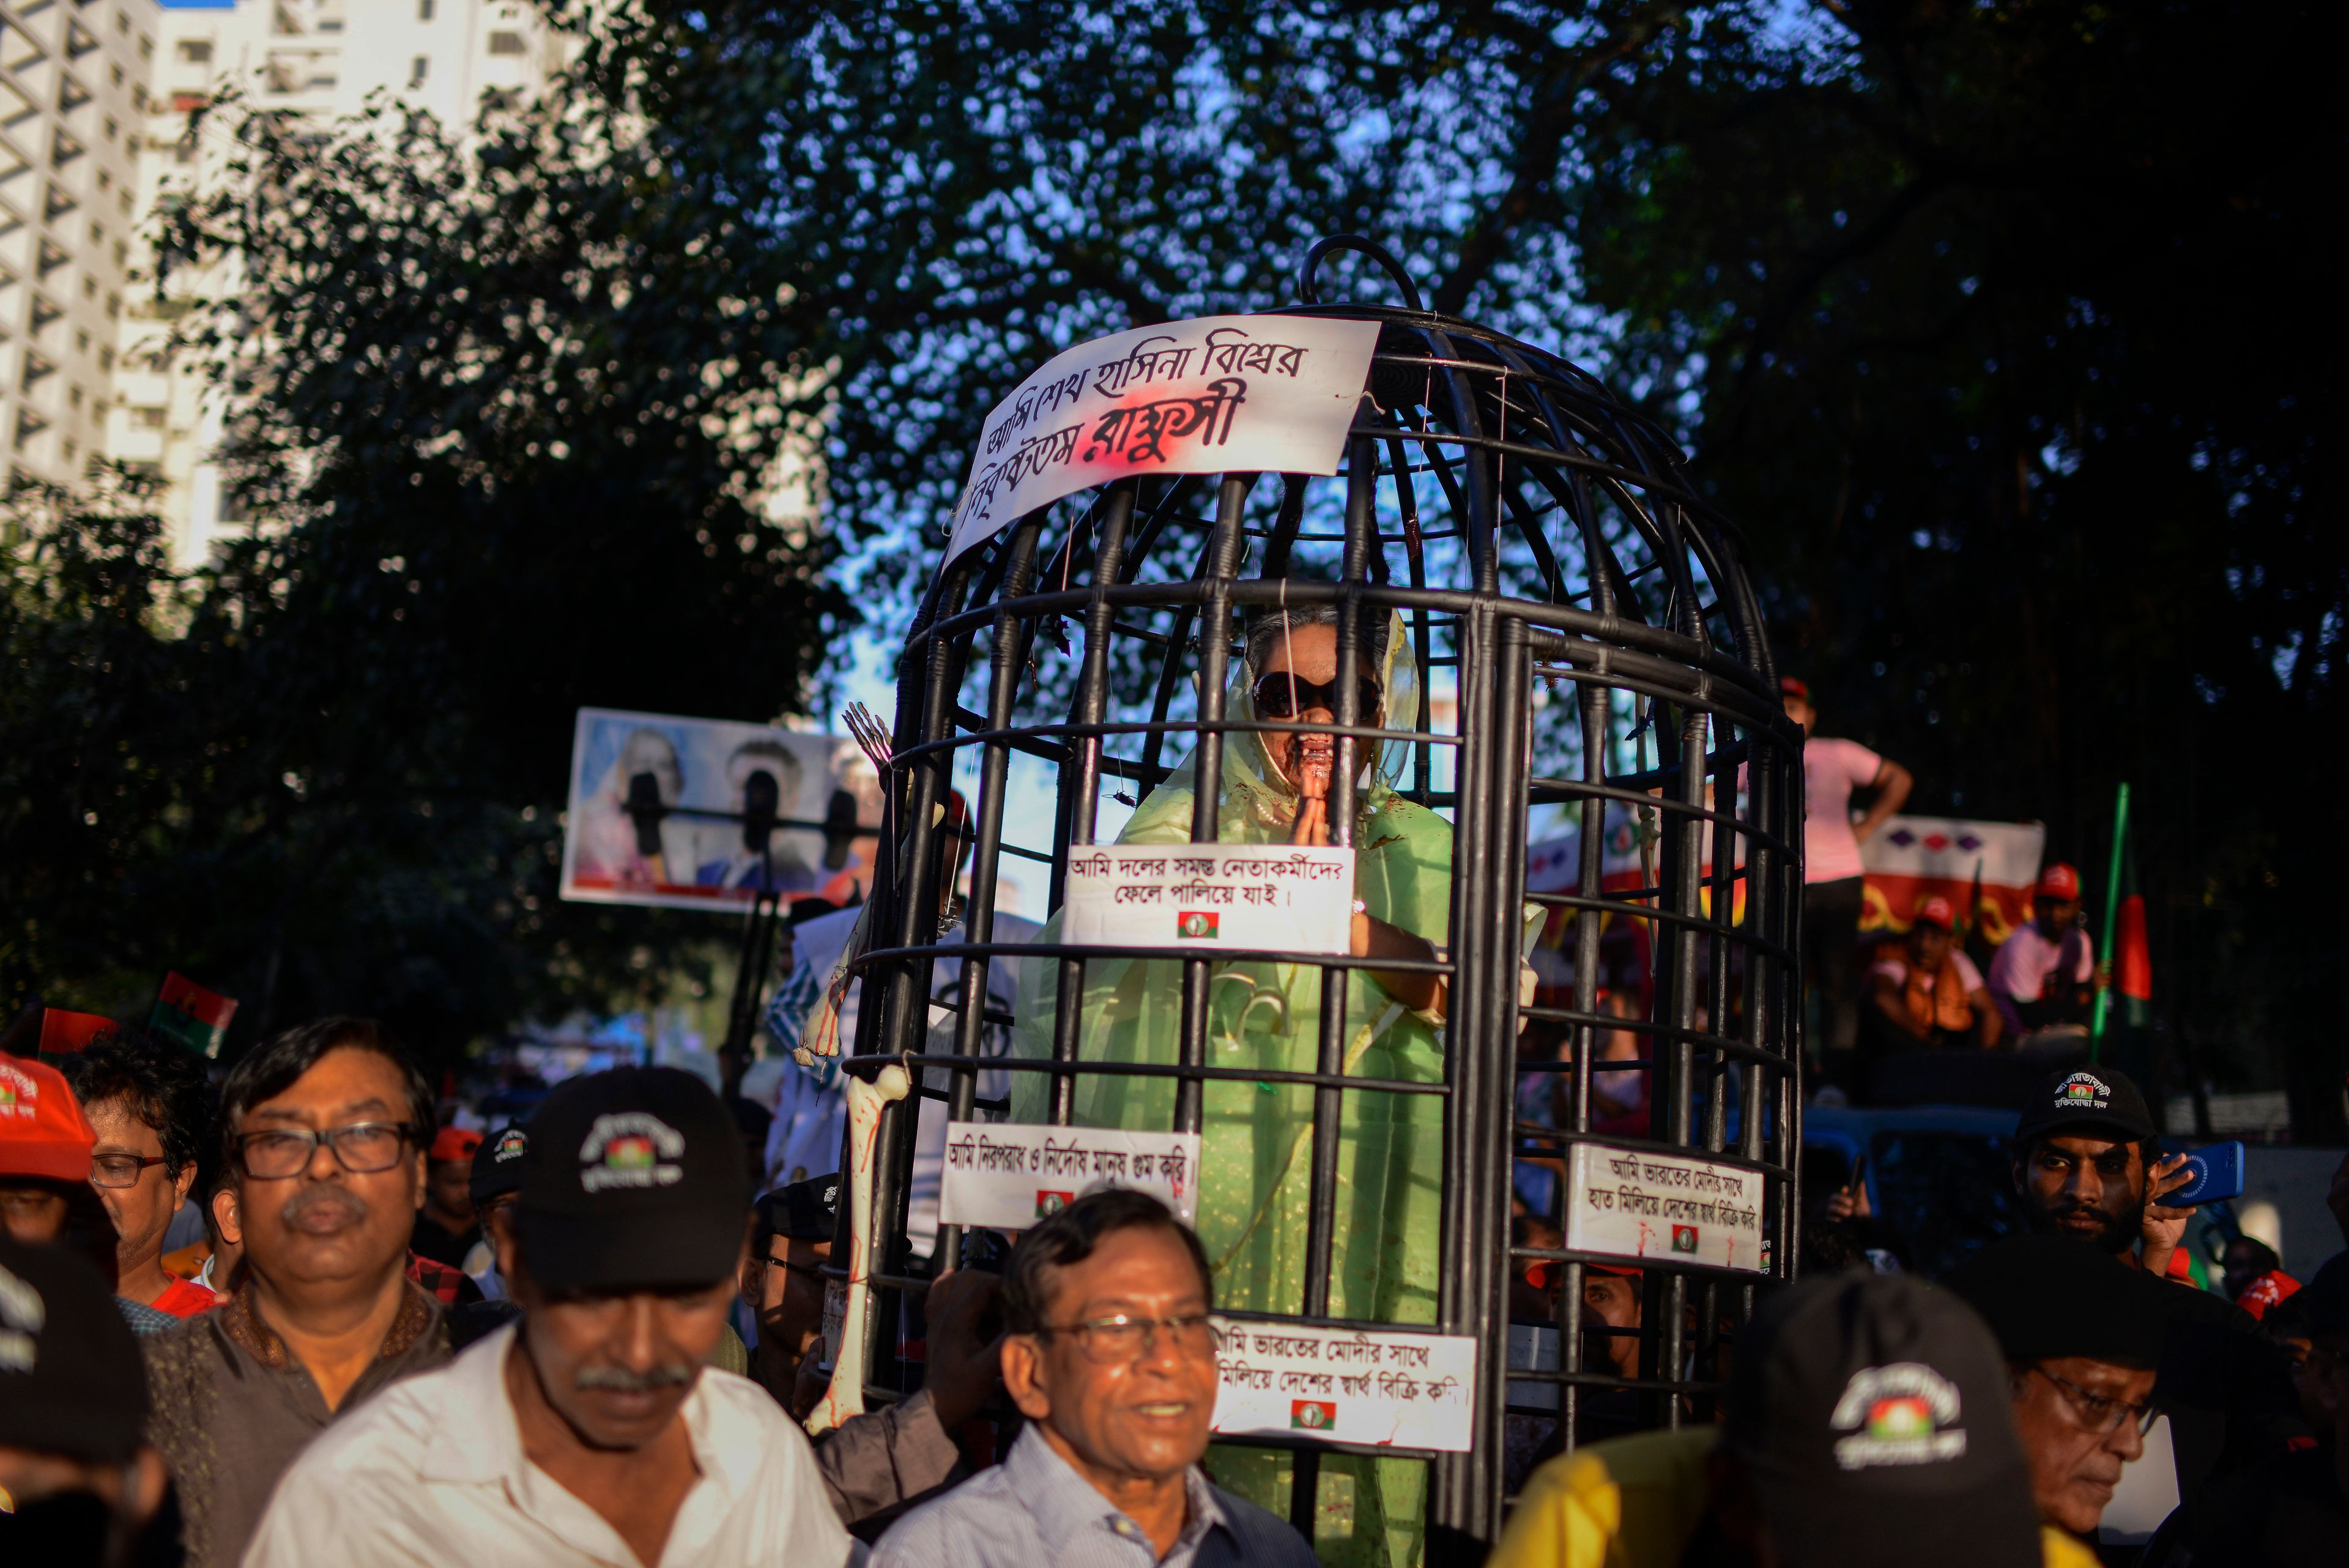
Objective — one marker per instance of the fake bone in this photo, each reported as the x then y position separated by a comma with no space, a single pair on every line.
845,1395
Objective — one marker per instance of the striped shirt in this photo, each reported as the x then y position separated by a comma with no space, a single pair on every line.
1034,1509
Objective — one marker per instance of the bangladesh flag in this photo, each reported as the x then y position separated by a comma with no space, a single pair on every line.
187,1013
66,1034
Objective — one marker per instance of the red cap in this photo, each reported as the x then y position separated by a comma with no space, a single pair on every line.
1936,911
2059,881
1798,689
455,1144
42,1130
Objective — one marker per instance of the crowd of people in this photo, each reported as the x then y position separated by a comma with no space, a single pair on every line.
309,1313
584,1394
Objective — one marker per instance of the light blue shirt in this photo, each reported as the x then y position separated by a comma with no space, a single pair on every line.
1034,1510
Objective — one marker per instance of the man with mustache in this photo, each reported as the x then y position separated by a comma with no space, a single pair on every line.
591,1431
2086,1167
326,1128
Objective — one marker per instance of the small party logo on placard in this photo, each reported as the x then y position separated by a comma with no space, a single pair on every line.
1049,1203
1312,1415
1195,925
1683,1238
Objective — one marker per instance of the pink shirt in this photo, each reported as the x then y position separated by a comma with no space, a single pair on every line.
1831,770
2023,961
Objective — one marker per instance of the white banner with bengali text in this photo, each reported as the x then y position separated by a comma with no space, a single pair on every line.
1262,896
1386,1388
1006,1176
1631,1203
1218,394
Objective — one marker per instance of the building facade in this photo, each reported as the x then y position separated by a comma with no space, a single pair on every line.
75,95
323,60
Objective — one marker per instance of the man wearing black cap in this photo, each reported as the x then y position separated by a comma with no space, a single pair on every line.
1868,1423
496,1182
78,1484
2293,1509
2082,1337
2086,1167
590,1432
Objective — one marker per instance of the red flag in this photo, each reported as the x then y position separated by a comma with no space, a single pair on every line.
2132,954
66,1034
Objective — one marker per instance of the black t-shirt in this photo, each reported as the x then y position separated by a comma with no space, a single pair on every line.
435,1241
2286,1513
2228,1390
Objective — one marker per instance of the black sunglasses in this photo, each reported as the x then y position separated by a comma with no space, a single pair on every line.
1283,694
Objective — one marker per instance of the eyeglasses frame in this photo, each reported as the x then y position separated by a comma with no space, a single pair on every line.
330,1137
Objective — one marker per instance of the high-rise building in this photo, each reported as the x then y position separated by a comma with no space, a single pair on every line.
74,84
321,60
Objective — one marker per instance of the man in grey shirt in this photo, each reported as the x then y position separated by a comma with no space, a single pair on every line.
1109,1354
325,1132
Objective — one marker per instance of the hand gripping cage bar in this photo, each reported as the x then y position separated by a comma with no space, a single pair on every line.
1535,532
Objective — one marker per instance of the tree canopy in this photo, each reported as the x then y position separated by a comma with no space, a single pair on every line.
1999,326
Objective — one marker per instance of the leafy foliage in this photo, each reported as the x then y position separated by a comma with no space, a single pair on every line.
1999,326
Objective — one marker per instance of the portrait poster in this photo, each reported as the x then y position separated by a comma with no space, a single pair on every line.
688,780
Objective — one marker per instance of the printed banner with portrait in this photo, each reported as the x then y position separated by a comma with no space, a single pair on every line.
658,803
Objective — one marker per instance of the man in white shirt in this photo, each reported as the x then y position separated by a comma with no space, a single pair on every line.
2040,977
590,1432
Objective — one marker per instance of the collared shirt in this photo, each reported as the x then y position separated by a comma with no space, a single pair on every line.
1034,1510
433,1472
233,1407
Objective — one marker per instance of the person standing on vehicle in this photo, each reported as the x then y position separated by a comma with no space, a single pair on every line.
1833,881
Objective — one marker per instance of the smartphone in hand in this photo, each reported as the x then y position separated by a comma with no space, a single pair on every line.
2216,1172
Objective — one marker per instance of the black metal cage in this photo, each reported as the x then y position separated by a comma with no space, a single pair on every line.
1591,651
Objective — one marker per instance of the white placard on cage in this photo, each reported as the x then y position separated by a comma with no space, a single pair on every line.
1217,394
1266,897
1632,1203
1386,1388
1006,1176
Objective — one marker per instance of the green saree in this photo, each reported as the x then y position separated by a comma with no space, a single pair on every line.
1256,1138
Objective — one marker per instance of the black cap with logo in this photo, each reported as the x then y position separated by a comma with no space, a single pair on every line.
1867,1406
497,1164
2090,1100
633,1179
72,1380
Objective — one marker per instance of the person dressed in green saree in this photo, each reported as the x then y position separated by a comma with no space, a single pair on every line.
1257,1137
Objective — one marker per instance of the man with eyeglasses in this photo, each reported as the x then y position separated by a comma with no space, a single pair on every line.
325,1130
2082,1336
1109,1354
145,1101
2089,1170
591,1431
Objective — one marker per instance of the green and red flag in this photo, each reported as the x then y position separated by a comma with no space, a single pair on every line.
187,1013
67,1034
